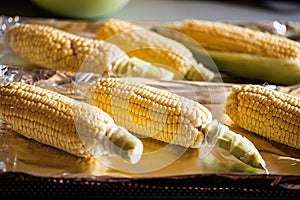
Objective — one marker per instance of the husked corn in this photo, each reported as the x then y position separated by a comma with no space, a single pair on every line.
233,38
151,112
152,47
266,112
165,116
55,49
61,122
51,48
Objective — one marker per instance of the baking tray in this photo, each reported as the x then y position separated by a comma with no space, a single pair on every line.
29,168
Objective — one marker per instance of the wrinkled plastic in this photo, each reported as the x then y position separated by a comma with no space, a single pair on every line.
18,154
21,154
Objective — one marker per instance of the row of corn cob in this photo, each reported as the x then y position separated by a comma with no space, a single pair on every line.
236,50
52,48
150,112
152,47
59,121
241,51
90,131
143,114
165,116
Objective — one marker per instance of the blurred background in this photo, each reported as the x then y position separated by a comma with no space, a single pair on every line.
155,10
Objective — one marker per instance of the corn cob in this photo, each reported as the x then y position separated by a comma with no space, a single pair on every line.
55,49
266,112
165,116
152,47
135,67
253,67
241,51
58,121
233,38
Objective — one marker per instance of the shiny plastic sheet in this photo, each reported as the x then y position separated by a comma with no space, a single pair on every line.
24,155
18,154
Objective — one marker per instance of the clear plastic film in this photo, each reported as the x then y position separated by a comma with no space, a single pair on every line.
19,154
95,56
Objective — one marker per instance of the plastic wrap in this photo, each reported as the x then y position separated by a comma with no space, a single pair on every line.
21,155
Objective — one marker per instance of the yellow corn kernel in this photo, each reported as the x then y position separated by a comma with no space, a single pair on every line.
233,38
61,122
55,49
152,47
51,48
162,115
151,112
277,116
